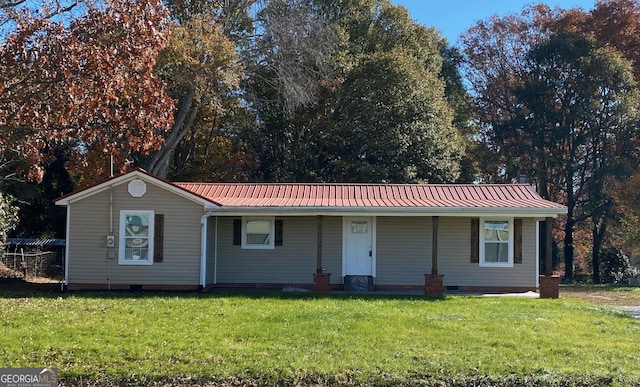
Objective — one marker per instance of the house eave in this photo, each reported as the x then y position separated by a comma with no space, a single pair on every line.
529,212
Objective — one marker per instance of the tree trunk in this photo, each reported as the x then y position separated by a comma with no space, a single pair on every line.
159,164
595,255
598,238
568,249
165,159
571,201
568,232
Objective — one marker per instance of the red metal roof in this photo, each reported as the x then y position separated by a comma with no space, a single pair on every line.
371,195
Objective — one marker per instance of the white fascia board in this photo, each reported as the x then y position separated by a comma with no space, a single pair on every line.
101,187
378,211
127,178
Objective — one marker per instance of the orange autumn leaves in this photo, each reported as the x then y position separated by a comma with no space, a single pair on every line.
88,83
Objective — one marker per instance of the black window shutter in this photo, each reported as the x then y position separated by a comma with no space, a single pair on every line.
475,240
278,238
517,241
158,238
237,232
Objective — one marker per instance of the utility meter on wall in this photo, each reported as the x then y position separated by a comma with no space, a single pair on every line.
111,241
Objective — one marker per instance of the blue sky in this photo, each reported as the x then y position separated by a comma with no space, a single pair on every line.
453,17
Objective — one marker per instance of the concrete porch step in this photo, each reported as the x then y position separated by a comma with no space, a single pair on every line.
358,283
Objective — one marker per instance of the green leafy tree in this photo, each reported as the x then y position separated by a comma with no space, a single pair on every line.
616,266
383,116
389,124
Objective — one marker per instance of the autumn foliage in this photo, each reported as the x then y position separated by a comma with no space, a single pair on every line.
88,83
556,93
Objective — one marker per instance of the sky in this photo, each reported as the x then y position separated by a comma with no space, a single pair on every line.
454,17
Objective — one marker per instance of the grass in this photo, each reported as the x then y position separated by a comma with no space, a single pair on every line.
142,338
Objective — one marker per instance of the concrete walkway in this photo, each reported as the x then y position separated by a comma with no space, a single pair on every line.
521,295
634,311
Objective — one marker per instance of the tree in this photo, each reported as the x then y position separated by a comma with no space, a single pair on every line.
495,54
564,106
290,73
8,219
383,116
201,70
616,266
39,216
294,50
403,134
626,195
579,100
88,83
286,48
463,111
12,12
615,23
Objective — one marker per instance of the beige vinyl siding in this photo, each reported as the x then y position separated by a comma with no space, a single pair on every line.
294,262
403,254
403,250
89,225
212,221
455,250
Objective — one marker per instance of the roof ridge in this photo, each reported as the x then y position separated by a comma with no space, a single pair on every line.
360,184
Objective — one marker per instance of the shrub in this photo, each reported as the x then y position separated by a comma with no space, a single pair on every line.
8,217
615,266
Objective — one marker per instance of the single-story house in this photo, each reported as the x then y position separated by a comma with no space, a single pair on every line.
136,231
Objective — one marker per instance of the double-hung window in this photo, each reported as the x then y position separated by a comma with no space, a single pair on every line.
496,242
258,232
136,238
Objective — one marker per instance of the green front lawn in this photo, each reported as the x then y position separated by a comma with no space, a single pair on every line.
139,338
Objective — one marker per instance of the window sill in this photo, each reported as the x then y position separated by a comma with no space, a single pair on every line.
145,262
258,247
496,265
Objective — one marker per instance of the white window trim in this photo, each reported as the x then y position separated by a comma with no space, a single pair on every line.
272,232
122,244
509,263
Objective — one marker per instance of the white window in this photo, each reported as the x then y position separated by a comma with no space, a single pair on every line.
136,238
258,233
496,242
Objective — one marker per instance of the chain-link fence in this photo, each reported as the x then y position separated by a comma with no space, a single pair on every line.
33,264
32,259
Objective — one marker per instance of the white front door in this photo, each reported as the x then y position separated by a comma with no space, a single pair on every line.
358,249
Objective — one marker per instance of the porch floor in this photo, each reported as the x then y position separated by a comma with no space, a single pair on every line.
404,292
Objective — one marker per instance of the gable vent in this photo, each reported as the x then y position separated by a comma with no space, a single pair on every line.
137,188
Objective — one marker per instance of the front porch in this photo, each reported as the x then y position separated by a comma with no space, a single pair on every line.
423,254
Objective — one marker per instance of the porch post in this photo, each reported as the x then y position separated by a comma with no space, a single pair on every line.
321,280
548,259
434,245
549,283
433,283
